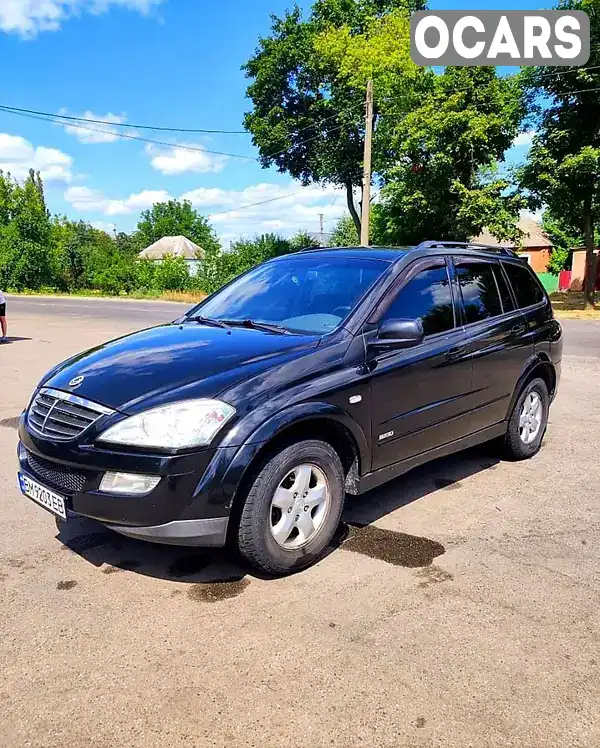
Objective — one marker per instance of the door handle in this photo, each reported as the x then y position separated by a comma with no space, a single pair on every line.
519,329
452,354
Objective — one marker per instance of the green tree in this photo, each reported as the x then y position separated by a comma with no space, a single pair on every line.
564,240
443,182
25,256
307,115
301,240
344,234
172,274
563,166
220,267
175,218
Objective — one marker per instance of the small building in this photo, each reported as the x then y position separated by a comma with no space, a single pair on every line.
536,245
574,279
175,246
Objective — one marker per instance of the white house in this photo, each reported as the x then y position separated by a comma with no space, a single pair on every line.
176,246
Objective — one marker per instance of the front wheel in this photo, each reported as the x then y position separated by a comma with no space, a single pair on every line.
293,508
528,421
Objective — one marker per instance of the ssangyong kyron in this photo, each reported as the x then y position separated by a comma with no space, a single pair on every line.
316,374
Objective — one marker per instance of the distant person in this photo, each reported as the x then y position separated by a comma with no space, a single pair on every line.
3,339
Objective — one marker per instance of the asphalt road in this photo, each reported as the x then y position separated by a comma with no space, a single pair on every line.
464,614
582,337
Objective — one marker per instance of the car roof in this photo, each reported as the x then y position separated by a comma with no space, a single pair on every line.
388,254
393,254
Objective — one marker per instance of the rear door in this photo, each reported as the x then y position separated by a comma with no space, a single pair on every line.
419,396
497,338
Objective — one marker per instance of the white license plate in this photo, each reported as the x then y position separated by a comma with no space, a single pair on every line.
43,496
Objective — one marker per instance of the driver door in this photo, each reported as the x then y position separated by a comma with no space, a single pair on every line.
420,395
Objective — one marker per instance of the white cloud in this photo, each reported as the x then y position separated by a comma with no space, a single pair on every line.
282,208
85,199
94,133
104,226
536,215
179,160
524,138
30,17
18,155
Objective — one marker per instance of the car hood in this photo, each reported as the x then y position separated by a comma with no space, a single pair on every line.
173,362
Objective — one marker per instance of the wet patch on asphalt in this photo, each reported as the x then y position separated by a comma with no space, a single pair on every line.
10,423
68,584
433,575
395,548
214,592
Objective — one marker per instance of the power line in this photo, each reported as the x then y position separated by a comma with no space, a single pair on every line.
127,136
572,93
253,205
125,124
568,72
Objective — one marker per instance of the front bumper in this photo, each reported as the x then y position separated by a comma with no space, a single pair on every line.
192,532
189,506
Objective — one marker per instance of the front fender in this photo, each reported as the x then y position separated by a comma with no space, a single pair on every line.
275,425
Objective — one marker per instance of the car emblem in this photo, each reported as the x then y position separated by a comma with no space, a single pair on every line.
76,381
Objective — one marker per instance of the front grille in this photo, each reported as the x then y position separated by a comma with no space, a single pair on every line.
57,475
62,416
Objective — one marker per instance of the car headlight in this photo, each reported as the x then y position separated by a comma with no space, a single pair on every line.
190,423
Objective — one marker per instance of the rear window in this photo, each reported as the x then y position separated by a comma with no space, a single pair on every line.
525,285
479,291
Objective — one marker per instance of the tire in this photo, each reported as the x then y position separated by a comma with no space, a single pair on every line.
516,446
314,468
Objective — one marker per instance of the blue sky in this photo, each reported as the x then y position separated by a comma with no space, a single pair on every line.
162,62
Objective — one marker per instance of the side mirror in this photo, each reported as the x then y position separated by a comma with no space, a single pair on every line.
394,334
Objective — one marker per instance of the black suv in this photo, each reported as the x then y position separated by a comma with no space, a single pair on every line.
315,374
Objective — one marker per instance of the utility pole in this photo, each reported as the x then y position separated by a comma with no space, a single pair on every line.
366,190
322,237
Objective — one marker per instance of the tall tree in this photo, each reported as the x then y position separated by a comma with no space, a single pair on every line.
307,116
563,167
25,257
175,218
444,181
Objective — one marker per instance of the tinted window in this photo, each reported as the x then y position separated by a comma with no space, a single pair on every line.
506,298
527,289
426,296
479,291
303,293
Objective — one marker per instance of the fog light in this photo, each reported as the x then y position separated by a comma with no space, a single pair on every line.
129,483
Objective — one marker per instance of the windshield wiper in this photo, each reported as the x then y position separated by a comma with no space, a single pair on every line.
253,325
206,321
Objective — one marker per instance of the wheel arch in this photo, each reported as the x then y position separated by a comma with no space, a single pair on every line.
538,366
328,424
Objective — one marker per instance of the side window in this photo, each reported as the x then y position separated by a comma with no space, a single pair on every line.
505,297
479,290
427,296
527,289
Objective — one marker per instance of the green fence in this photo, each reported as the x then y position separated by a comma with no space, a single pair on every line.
549,281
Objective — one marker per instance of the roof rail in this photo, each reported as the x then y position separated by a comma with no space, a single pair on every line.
475,246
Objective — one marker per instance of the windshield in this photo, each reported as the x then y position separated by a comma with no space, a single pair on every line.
303,294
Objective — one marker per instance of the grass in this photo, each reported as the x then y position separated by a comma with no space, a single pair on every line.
569,305
184,297
566,305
